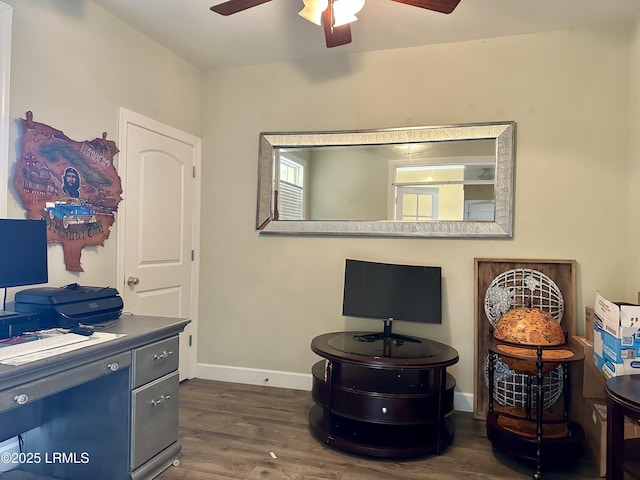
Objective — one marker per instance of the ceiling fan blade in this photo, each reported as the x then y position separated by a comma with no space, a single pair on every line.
335,36
442,6
235,6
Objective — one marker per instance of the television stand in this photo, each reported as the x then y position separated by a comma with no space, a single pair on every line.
383,399
372,337
386,334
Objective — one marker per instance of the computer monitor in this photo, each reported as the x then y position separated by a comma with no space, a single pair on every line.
390,292
23,252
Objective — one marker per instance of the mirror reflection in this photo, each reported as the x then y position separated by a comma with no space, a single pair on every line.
451,181
421,181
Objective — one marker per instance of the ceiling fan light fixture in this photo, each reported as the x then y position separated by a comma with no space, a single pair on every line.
334,16
344,11
313,9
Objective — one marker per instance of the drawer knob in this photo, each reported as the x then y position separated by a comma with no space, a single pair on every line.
21,399
113,366
161,400
164,354
384,409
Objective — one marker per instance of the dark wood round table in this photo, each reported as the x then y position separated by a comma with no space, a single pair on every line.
383,397
623,400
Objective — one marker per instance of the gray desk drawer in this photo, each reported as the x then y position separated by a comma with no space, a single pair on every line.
44,387
155,360
155,418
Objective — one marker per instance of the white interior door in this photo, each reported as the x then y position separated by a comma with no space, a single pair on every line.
159,231
479,210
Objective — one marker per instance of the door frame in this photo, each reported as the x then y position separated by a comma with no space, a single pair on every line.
5,66
126,119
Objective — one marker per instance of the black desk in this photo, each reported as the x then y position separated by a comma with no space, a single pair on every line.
623,399
104,412
385,398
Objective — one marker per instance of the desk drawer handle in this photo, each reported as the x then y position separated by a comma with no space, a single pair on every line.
161,400
164,354
113,366
21,399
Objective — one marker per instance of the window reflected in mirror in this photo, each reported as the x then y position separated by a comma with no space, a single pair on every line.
290,203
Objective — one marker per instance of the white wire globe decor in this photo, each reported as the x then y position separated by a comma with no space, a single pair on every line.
522,287
510,388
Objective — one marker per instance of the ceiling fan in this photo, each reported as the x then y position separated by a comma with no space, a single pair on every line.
334,15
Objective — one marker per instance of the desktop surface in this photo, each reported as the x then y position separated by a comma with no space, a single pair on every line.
134,329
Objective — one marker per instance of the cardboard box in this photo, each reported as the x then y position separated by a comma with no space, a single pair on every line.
593,381
588,405
616,337
595,429
596,435
588,323
587,381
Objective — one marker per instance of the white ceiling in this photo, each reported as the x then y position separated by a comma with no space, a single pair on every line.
274,31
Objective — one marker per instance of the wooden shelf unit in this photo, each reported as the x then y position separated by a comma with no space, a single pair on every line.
534,434
386,398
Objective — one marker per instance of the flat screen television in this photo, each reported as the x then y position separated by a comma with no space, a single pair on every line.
390,292
23,252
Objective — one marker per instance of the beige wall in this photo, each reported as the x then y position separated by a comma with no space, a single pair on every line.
358,184
74,65
265,298
632,254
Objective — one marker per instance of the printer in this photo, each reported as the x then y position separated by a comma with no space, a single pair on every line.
70,305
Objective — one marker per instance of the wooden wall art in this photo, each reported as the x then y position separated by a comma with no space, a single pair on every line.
539,279
72,184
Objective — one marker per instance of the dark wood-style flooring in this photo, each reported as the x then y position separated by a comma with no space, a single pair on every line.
230,431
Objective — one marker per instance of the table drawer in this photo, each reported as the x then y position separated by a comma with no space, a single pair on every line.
58,382
154,418
392,409
155,360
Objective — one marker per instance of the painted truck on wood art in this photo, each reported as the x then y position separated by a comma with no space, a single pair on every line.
73,185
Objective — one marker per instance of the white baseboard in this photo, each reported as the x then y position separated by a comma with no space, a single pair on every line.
298,381
254,376
463,402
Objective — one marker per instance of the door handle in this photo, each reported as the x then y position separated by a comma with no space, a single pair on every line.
132,281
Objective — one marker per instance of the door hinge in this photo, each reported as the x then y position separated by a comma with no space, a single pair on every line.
194,171
193,255
190,340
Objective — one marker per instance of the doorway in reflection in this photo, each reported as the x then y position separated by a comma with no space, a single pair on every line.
446,191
